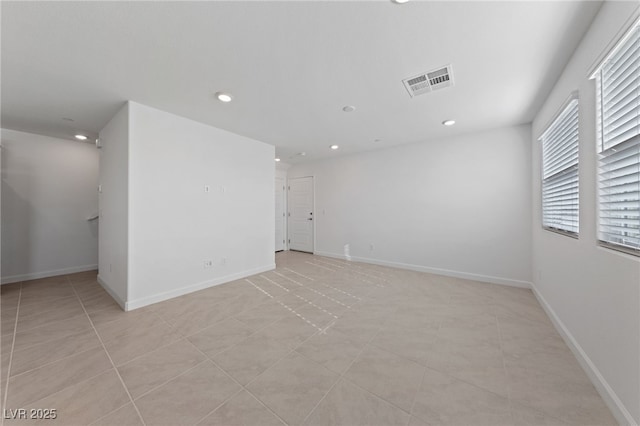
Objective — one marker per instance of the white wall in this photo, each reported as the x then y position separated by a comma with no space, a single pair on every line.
592,293
458,206
114,206
175,226
48,193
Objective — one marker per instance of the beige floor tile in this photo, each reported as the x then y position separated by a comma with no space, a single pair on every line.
9,290
188,398
290,330
271,287
290,300
124,416
274,278
35,298
63,310
49,281
316,315
43,293
157,367
357,326
99,302
387,375
83,276
137,341
114,313
262,315
445,400
41,382
53,350
172,309
9,302
37,308
84,402
53,331
88,292
200,318
293,387
418,345
4,369
570,400
252,356
331,349
242,410
481,343
8,321
414,421
347,404
525,416
109,330
220,336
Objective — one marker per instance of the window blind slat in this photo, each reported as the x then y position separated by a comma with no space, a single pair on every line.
560,199
618,127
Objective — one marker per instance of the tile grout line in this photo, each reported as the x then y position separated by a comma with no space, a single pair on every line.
57,360
13,341
287,278
273,365
298,273
415,397
504,365
242,388
293,311
107,353
109,413
142,395
341,375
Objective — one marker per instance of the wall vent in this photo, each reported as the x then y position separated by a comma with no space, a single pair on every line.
429,81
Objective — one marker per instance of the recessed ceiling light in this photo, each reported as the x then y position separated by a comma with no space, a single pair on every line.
449,122
277,159
302,154
334,147
399,1
349,108
81,137
224,97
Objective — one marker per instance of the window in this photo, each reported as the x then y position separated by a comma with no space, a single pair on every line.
618,133
560,172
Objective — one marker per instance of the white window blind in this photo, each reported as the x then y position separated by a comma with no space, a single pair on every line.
560,205
618,126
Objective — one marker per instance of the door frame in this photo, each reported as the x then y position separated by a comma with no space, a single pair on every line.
285,221
313,209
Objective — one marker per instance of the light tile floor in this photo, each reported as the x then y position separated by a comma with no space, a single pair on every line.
318,341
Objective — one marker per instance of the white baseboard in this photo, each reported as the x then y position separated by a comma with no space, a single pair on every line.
46,274
616,406
438,271
149,300
115,297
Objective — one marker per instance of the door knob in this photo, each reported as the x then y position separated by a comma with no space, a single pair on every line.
310,218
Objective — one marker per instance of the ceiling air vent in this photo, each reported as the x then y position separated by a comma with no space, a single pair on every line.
429,81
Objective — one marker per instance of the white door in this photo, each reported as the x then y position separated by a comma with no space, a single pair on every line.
280,214
300,203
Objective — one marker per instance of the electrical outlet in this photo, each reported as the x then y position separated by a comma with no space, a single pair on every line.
207,188
208,263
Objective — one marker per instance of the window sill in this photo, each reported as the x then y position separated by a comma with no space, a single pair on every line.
561,232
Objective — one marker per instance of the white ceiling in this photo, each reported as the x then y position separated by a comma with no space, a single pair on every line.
291,66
